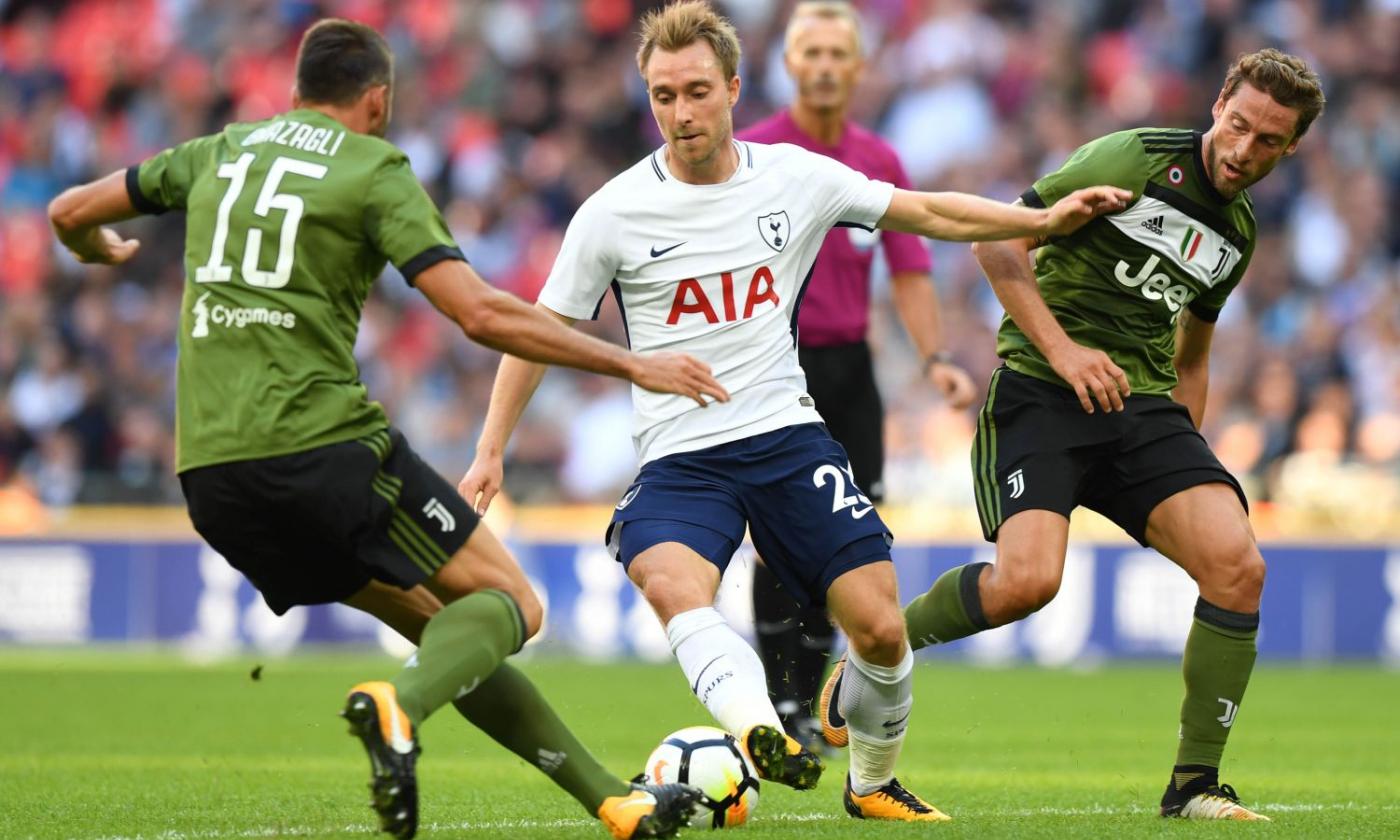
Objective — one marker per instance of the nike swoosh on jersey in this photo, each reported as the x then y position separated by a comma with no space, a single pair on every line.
656,253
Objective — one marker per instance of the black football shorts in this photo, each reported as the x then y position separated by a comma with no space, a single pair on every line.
316,526
1037,449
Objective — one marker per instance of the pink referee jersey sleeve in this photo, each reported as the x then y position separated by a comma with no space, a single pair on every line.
904,252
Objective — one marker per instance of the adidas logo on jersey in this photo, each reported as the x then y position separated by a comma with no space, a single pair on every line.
1155,224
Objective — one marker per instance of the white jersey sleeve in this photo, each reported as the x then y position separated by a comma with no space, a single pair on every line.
841,194
586,265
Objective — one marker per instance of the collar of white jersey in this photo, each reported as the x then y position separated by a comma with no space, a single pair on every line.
663,174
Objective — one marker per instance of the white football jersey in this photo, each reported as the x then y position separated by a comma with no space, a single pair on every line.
716,271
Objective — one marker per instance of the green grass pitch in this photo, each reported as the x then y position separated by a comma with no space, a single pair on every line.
117,745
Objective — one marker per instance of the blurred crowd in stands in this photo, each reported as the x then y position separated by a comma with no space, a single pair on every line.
513,111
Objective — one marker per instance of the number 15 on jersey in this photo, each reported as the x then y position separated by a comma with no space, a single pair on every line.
236,172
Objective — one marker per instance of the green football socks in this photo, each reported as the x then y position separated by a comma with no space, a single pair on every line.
1219,657
509,708
461,646
461,660
951,609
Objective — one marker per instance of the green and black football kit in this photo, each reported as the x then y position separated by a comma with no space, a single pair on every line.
290,471
1118,284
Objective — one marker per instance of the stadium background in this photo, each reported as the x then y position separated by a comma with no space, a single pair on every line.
141,681
512,112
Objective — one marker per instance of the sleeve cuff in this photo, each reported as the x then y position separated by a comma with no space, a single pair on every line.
1031,198
138,198
569,309
428,259
1207,315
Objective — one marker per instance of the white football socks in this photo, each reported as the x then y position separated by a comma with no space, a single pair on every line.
875,701
723,671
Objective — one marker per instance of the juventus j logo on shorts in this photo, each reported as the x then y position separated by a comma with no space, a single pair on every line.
1017,482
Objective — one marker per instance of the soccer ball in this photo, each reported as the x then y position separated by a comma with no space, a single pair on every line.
710,759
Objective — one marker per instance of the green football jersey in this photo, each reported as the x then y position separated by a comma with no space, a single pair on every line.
289,222
1120,283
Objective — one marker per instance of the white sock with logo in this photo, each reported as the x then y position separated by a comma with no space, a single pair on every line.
723,671
875,701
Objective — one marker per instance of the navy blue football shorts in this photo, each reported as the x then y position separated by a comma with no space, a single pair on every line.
792,488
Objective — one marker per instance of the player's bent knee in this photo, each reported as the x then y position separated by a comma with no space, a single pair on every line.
668,599
527,606
674,584
881,641
1024,591
1026,602
1252,582
531,610
1237,581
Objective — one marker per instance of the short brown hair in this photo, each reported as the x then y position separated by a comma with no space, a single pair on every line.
821,10
340,59
1287,78
681,24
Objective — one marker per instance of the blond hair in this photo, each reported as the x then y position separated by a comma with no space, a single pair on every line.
681,24
1286,78
822,10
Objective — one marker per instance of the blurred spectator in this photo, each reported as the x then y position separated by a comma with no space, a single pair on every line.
512,111
48,392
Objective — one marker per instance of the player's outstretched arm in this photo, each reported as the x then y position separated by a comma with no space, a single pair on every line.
531,337
516,381
504,322
78,216
960,217
1090,372
1192,363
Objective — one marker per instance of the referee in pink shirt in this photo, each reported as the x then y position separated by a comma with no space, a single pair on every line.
823,56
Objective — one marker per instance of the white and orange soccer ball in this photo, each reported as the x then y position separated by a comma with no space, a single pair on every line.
708,758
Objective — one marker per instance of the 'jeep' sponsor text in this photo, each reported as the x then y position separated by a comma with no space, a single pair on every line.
1152,286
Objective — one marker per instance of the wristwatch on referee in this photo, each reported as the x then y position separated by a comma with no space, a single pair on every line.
942,357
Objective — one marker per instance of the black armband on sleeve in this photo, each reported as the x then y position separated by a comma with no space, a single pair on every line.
1207,315
138,198
1031,198
428,259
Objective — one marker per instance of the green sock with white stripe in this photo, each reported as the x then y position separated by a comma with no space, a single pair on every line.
462,645
951,609
511,710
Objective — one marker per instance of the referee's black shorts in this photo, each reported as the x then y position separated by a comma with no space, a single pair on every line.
316,526
1036,448
841,379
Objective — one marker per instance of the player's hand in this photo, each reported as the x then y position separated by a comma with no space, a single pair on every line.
1091,373
953,383
1076,209
482,482
677,373
105,246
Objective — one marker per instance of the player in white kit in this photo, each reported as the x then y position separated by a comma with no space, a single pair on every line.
707,244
